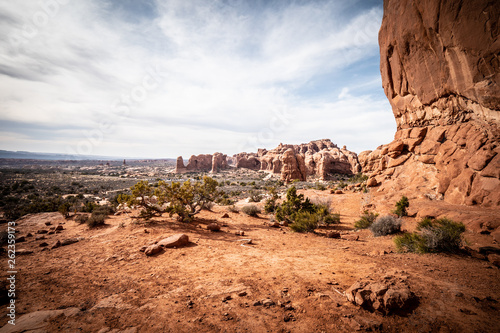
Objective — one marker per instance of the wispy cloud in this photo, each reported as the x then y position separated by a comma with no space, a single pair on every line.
165,78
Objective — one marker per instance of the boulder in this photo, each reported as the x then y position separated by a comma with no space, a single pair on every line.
153,249
213,227
177,240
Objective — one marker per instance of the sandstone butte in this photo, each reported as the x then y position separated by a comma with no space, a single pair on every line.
440,71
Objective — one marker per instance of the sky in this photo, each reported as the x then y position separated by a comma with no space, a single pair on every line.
164,78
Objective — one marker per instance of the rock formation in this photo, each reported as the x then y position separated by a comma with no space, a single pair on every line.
440,69
320,158
202,163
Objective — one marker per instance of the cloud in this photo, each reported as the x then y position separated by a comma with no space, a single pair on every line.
169,78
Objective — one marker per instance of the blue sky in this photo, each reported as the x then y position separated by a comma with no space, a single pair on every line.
167,78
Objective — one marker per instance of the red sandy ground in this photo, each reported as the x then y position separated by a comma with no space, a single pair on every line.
457,293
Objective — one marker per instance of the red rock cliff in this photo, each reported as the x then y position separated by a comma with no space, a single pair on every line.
440,69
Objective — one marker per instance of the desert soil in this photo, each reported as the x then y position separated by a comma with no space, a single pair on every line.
105,284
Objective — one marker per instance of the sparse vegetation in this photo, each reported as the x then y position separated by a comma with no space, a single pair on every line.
251,210
270,204
365,220
385,225
295,206
441,235
401,206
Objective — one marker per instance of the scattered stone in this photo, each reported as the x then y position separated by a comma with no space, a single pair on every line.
489,249
48,223
288,317
274,224
177,240
51,232
143,248
43,231
43,244
240,233
190,304
214,227
350,237
225,216
390,295
56,245
29,234
288,307
69,241
267,302
494,259
227,298
153,249
40,238
20,239
59,227
257,303
242,293
339,192
333,234
23,252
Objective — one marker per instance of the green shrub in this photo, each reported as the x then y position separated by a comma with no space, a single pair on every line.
305,222
251,210
365,220
64,209
441,235
233,209
385,225
410,242
254,197
319,186
81,219
401,206
96,220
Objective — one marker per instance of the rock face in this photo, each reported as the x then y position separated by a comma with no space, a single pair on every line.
440,71
203,163
320,158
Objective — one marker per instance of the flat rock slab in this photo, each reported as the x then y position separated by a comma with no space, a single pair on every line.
36,320
177,240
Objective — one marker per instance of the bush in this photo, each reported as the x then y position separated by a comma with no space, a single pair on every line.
81,219
251,210
254,197
442,235
385,225
233,209
305,222
96,220
401,206
365,220
64,209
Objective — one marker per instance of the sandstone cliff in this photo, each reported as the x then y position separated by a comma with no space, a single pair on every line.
320,158
203,163
440,69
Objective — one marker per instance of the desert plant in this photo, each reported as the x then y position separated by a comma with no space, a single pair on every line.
251,210
270,204
233,209
96,220
401,206
64,209
254,197
385,225
365,220
81,219
305,222
441,235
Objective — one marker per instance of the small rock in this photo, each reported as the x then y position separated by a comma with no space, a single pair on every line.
267,302
332,234
143,248
288,307
153,249
56,245
239,233
288,317
43,231
350,237
29,234
284,223
494,259
40,237
257,303
177,240
43,244
339,192
225,216
20,239
274,224
227,298
23,252
213,227
59,227
69,241
242,293
48,223
51,232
